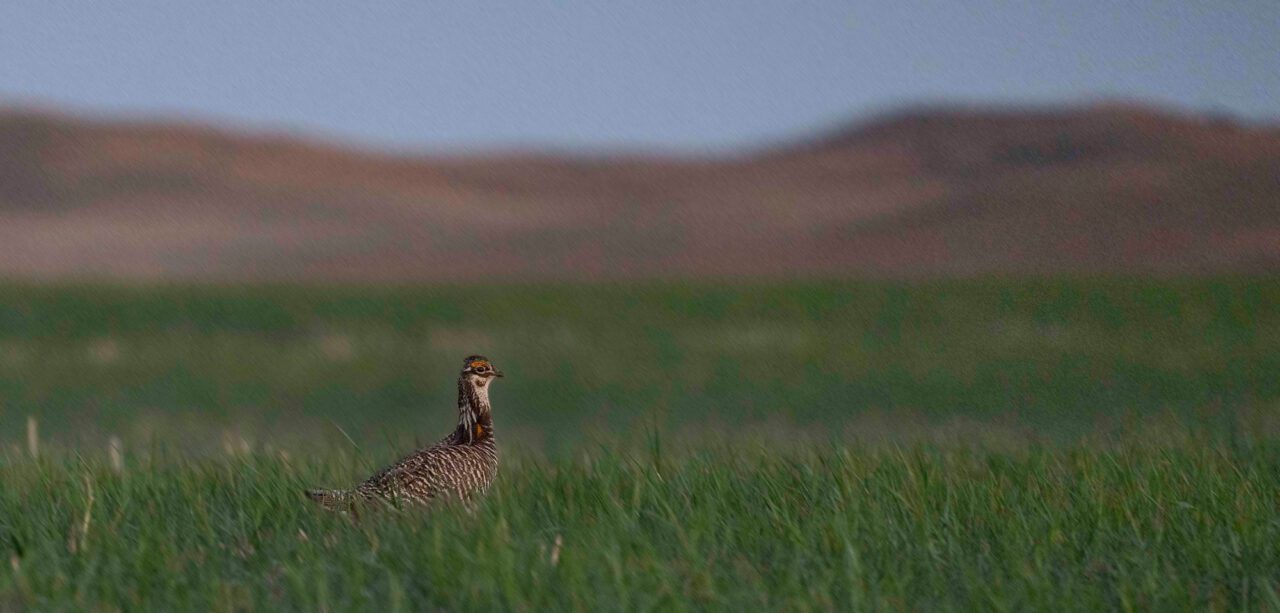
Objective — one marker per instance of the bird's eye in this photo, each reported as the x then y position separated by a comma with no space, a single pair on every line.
481,368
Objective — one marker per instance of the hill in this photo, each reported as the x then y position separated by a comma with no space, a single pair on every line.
928,192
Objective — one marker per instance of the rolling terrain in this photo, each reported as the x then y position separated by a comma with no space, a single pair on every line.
687,434
923,193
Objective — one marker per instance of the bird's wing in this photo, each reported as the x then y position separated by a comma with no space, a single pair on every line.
412,475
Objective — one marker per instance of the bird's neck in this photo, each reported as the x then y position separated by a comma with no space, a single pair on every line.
475,419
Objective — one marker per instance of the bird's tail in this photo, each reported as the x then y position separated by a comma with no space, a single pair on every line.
331,499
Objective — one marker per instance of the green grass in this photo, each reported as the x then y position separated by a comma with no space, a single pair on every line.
1076,528
985,444
284,365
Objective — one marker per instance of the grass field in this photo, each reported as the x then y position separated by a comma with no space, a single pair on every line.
1138,528
981,444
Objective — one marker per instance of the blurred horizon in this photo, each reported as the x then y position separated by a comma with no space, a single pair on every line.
940,192
802,137
709,78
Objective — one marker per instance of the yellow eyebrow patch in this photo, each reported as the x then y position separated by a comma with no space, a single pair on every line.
477,364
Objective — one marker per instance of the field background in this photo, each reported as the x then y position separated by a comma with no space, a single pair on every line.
296,367
813,309
983,443
801,309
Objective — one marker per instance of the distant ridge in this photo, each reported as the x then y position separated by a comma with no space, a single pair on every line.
1111,189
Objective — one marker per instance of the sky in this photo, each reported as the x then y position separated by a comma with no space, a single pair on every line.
686,75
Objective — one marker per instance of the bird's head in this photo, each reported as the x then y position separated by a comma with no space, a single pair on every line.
479,370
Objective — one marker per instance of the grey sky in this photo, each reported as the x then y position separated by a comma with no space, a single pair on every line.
689,74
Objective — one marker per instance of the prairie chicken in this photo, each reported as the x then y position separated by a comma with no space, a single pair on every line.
461,465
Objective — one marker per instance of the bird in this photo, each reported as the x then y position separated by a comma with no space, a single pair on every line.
461,466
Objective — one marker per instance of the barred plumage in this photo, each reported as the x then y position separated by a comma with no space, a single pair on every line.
461,466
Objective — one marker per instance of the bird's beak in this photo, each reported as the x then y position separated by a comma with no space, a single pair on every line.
497,373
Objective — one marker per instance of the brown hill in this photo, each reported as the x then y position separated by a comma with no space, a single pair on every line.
1105,189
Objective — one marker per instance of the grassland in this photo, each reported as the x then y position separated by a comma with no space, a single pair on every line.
977,445
1137,528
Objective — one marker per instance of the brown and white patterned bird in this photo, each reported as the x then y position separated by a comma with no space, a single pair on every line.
460,466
